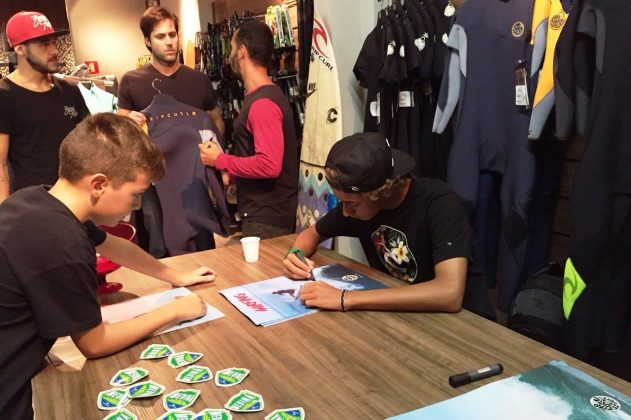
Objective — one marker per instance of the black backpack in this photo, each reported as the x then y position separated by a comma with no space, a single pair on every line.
537,309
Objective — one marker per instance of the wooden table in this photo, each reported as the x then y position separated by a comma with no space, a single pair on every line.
353,365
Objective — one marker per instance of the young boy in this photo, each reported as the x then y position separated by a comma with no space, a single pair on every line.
48,246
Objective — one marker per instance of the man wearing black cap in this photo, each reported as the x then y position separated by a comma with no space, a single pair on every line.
413,229
36,110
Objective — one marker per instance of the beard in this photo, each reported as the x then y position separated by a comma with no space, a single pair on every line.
47,67
234,66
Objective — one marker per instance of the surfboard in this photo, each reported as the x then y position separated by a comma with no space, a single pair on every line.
322,128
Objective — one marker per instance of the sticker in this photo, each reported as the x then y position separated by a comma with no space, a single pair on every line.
128,376
297,413
180,399
245,402
183,358
121,414
449,9
177,415
112,399
194,374
145,389
157,351
231,376
374,108
213,414
518,29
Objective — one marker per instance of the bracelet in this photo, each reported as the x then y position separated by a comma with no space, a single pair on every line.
342,300
295,251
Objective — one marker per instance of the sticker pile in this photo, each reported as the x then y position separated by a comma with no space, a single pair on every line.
245,401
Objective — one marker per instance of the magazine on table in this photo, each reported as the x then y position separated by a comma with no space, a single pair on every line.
275,300
555,391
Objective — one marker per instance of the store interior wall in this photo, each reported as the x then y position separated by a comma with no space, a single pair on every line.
108,32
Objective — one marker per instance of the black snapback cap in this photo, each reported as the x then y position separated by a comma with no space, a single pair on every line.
365,161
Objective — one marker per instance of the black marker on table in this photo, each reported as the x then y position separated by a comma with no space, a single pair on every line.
474,375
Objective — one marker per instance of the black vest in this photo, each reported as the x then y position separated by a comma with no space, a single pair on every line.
270,201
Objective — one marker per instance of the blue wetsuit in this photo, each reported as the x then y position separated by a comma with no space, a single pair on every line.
491,134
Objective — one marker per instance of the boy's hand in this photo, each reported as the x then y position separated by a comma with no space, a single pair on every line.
199,275
189,307
296,269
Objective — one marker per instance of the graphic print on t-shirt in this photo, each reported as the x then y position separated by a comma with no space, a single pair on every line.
392,247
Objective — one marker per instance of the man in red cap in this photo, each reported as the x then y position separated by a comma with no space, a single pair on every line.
36,110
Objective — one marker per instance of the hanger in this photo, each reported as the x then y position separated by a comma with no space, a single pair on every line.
154,86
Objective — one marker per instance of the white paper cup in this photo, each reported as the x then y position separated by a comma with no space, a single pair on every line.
250,246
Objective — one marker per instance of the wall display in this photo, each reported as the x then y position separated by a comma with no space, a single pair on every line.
323,127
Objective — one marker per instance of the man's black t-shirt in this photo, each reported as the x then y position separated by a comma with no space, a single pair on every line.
428,227
36,123
47,288
138,87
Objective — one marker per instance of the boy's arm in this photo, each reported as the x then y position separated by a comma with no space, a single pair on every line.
130,255
444,293
103,339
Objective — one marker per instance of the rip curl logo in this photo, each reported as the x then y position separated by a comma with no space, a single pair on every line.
518,29
71,111
41,21
604,403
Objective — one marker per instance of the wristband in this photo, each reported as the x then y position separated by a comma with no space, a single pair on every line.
295,251
342,300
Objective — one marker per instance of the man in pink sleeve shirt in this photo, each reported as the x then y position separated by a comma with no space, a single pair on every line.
265,160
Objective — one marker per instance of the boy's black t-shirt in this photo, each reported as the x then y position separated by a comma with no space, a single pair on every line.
428,227
47,288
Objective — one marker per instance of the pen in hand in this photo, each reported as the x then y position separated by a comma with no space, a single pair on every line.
301,257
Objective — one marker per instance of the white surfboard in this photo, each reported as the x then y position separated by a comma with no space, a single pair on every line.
322,127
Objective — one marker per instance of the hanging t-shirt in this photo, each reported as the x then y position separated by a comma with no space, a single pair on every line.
97,100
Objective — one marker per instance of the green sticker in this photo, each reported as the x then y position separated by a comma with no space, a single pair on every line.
213,414
128,376
112,399
297,413
180,398
178,415
156,351
121,414
145,389
194,374
231,376
573,286
245,401
183,358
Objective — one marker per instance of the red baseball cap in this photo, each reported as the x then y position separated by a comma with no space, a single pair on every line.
26,26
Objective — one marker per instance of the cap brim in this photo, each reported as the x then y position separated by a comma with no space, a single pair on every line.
403,163
55,34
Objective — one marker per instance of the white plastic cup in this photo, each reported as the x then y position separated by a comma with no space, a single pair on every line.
250,246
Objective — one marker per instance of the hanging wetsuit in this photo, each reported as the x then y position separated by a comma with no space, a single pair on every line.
486,41
597,286
191,194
